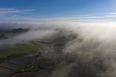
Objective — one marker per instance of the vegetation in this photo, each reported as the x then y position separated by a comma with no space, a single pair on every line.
4,34
52,64
44,46
76,64
44,67
17,49
29,74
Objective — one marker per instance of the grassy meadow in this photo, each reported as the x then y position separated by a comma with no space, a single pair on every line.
17,49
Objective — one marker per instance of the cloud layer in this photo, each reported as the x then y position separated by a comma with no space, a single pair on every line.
94,46
100,31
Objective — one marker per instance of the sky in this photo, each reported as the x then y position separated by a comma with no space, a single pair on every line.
57,10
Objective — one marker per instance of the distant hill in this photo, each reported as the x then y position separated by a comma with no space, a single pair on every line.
18,29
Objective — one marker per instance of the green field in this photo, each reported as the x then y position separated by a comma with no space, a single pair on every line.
45,66
44,46
20,48
17,49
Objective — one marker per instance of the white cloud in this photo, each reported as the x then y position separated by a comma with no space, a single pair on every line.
93,17
112,13
60,19
15,15
81,15
88,30
13,10
7,9
72,19
112,16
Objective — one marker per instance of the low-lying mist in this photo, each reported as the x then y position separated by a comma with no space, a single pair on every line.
90,46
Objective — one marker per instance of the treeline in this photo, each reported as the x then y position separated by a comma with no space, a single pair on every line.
1,35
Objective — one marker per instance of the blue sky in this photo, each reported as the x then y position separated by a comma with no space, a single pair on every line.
57,10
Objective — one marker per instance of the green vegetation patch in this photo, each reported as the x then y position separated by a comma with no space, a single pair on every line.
42,45
42,67
33,54
47,64
29,74
17,49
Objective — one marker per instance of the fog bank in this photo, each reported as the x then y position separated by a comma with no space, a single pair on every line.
95,44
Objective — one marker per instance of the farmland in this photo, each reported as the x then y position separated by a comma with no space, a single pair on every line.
48,58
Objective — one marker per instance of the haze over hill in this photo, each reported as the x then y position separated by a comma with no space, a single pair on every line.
92,40
84,31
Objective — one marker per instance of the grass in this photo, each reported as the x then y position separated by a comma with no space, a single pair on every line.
29,74
34,54
20,48
17,49
44,46
45,69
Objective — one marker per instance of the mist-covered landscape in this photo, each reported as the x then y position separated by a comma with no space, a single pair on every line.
55,51
57,38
